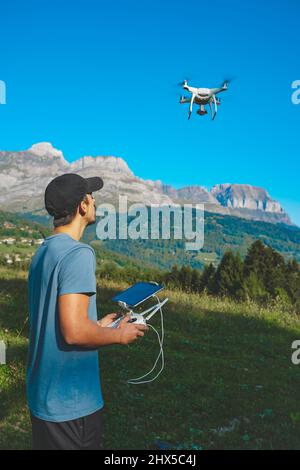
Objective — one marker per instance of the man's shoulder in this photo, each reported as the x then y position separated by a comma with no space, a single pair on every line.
83,245
78,253
79,246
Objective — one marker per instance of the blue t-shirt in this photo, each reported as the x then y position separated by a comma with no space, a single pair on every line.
62,381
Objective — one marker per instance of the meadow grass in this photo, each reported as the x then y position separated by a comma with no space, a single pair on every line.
228,381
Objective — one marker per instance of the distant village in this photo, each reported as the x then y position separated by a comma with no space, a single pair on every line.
14,258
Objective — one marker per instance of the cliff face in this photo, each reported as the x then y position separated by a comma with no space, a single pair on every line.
24,176
191,193
244,196
240,200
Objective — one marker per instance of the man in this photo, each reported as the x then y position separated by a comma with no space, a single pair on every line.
63,384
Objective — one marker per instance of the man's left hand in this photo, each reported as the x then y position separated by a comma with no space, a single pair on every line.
107,319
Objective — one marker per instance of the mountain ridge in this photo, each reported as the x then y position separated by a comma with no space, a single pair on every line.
25,175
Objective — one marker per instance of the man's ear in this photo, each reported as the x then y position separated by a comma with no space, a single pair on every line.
82,208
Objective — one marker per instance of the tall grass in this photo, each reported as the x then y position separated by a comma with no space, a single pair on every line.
228,380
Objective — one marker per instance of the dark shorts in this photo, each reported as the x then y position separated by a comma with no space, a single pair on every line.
84,433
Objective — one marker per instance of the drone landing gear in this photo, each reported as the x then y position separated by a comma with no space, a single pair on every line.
191,105
213,113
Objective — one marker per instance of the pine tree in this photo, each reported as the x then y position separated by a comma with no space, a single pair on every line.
255,268
207,278
185,278
274,273
228,279
172,278
292,281
255,259
195,280
254,288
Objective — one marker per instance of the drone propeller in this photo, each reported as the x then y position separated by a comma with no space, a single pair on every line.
227,80
183,82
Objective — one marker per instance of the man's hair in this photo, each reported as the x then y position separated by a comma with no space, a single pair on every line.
67,219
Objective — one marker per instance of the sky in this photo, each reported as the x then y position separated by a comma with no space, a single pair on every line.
100,78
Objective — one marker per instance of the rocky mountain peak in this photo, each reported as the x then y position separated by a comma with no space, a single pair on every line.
45,149
103,163
26,174
245,196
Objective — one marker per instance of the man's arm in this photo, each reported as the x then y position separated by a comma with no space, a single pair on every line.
78,329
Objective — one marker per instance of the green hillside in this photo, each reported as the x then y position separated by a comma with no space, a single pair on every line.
228,364
222,233
18,225
228,381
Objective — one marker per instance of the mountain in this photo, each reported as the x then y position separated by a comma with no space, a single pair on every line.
240,200
24,176
197,194
222,233
244,196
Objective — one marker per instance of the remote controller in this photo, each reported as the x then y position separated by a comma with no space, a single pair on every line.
135,318
138,319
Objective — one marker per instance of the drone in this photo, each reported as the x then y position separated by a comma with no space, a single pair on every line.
202,97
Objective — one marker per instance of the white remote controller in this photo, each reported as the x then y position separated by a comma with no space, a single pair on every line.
136,318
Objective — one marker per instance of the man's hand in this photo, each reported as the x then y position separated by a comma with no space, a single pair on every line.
129,331
78,329
105,321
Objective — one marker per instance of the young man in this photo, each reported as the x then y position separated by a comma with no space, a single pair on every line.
63,384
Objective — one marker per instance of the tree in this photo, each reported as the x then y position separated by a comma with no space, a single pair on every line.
207,278
274,272
254,288
185,278
292,281
172,278
255,259
228,279
195,280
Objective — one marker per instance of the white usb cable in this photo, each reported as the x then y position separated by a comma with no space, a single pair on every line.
161,352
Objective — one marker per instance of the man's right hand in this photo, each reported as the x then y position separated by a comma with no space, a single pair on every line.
130,332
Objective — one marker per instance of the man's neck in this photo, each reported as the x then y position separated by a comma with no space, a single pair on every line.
75,232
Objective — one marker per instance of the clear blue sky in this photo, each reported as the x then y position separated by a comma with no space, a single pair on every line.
98,78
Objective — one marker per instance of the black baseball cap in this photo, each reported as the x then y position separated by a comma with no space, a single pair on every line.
65,192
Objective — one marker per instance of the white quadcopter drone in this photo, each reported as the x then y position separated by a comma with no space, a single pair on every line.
202,97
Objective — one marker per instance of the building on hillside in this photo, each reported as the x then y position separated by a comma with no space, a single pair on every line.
9,241
8,225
